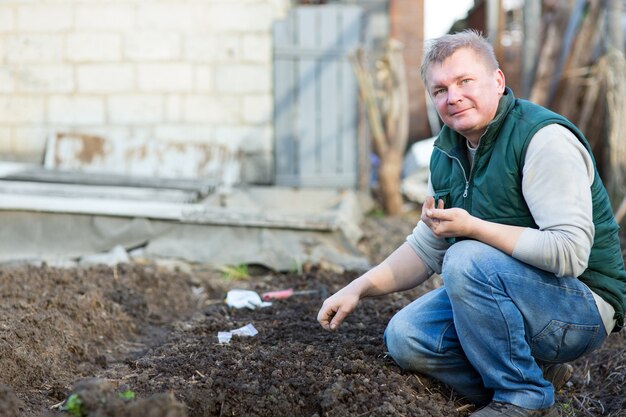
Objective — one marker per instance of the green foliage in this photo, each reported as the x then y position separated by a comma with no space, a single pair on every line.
566,409
235,272
127,395
376,213
74,406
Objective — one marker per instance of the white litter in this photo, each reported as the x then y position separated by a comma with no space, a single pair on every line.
245,298
247,330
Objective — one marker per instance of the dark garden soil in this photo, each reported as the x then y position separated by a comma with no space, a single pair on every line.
95,333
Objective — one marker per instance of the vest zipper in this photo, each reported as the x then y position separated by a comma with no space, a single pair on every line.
462,170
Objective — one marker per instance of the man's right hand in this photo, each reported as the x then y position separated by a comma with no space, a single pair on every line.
337,307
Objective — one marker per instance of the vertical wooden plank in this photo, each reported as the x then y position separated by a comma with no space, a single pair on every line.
285,90
307,128
316,96
330,134
351,23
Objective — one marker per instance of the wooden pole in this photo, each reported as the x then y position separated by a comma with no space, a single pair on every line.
530,46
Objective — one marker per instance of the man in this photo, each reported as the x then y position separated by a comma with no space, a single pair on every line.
521,230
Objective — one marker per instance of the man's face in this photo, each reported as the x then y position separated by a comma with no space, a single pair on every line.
466,92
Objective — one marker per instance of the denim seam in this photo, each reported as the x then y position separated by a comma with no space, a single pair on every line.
490,276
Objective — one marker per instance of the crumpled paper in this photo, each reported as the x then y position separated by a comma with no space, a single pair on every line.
247,330
245,298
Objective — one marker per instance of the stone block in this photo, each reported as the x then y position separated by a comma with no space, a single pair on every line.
7,80
239,17
105,78
211,109
177,77
7,20
76,111
93,47
16,109
203,79
243,79
153,46
104,17
135,109
257,48
165,16
44,78
212,48
33,48
41,17
258,109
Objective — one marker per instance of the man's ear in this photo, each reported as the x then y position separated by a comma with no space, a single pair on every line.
500,80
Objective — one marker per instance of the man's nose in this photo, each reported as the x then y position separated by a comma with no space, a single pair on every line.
454,95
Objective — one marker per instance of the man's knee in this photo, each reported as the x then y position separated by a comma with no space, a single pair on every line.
468,259
403,343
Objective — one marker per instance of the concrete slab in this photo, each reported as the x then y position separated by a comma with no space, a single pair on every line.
280,228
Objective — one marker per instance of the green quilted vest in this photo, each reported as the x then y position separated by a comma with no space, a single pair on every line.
492,188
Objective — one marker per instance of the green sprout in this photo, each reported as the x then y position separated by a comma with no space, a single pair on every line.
235,273
127,395
74,406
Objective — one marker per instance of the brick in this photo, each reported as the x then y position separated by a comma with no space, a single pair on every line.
212,48
76,111
174,108
45,78
93,47
7,80
90,17
44,18
243,79
257,109
211,109
21,109
135,109
239,17
34,48
165,77
203,79
153,46
105,78
7,20
257,48
168,16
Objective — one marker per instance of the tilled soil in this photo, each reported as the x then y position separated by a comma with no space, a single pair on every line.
95,333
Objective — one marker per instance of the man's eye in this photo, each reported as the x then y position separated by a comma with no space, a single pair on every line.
437,92
465,81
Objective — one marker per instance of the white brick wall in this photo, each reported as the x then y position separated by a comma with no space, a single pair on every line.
175,70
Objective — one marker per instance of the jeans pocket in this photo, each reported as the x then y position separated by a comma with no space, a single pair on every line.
560,341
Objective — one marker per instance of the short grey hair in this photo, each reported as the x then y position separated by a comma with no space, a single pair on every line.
439,49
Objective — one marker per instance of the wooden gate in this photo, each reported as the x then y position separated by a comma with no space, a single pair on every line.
316,96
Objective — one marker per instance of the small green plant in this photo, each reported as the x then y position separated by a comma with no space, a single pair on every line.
567,409
74,406
235,272
376,213
127,395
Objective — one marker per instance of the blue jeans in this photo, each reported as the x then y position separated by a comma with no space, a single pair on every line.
494,321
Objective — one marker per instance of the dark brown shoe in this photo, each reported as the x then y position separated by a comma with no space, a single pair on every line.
558,374
498,409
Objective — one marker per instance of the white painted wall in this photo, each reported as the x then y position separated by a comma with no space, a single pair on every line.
171,70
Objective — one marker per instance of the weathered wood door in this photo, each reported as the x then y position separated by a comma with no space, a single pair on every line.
316,96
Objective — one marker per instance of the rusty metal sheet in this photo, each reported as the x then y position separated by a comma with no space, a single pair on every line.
142,157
